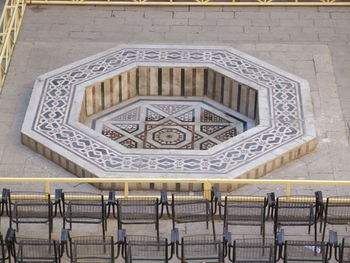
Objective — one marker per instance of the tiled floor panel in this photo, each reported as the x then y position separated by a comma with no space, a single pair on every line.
170,124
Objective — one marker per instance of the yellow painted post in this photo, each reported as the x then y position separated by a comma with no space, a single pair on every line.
126,189
47,187
288,189
207,190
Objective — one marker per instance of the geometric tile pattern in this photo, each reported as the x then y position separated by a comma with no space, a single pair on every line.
285,114
169,124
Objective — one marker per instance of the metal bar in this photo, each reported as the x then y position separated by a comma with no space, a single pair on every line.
207,183
172,180
207,189
47,187
10,22
126,189
288,189
188,3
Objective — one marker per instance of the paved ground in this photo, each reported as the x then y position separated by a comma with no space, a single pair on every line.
313,43
291,38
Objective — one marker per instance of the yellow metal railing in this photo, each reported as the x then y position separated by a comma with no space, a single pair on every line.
207,183
196,2
10,23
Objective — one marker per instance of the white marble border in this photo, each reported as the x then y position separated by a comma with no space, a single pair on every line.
306,120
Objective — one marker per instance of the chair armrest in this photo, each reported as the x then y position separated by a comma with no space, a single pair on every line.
163,197
111,197
218,196
10,236
58,195
64,236
5,194
121,235
227,236
280,237
175,236
333,238
319,197
271,199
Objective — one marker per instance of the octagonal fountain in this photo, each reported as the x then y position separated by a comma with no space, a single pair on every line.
169,111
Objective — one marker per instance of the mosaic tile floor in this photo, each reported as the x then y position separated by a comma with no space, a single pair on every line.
170,124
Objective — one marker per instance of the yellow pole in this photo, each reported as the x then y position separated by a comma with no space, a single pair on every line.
47,187
126,189
288,189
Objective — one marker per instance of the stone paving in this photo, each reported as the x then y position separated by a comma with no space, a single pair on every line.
2,5
313,43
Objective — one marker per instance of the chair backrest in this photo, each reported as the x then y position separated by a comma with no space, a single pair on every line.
138,210
302,251
33,249
295,208
244,209
26,204
253,250
83,205
88,248
191,207
202,247
147,248
337,210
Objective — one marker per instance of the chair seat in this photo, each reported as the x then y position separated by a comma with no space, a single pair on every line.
37,250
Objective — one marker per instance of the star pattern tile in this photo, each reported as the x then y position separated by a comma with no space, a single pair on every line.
177,125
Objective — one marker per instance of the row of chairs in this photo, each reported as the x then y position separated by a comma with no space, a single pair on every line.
195,248
90,208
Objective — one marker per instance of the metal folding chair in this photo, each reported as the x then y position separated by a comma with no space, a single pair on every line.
137,248
253,250
342,249
84,249
82,208
243,210
33,250
190,207
296,211
29,208
4,201
200,248
303,251
336,212
136,210
4,255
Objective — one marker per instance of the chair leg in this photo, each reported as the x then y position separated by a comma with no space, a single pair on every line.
263,231
213,224
275,228
103,231
324,230
309,229
157,229
315,231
